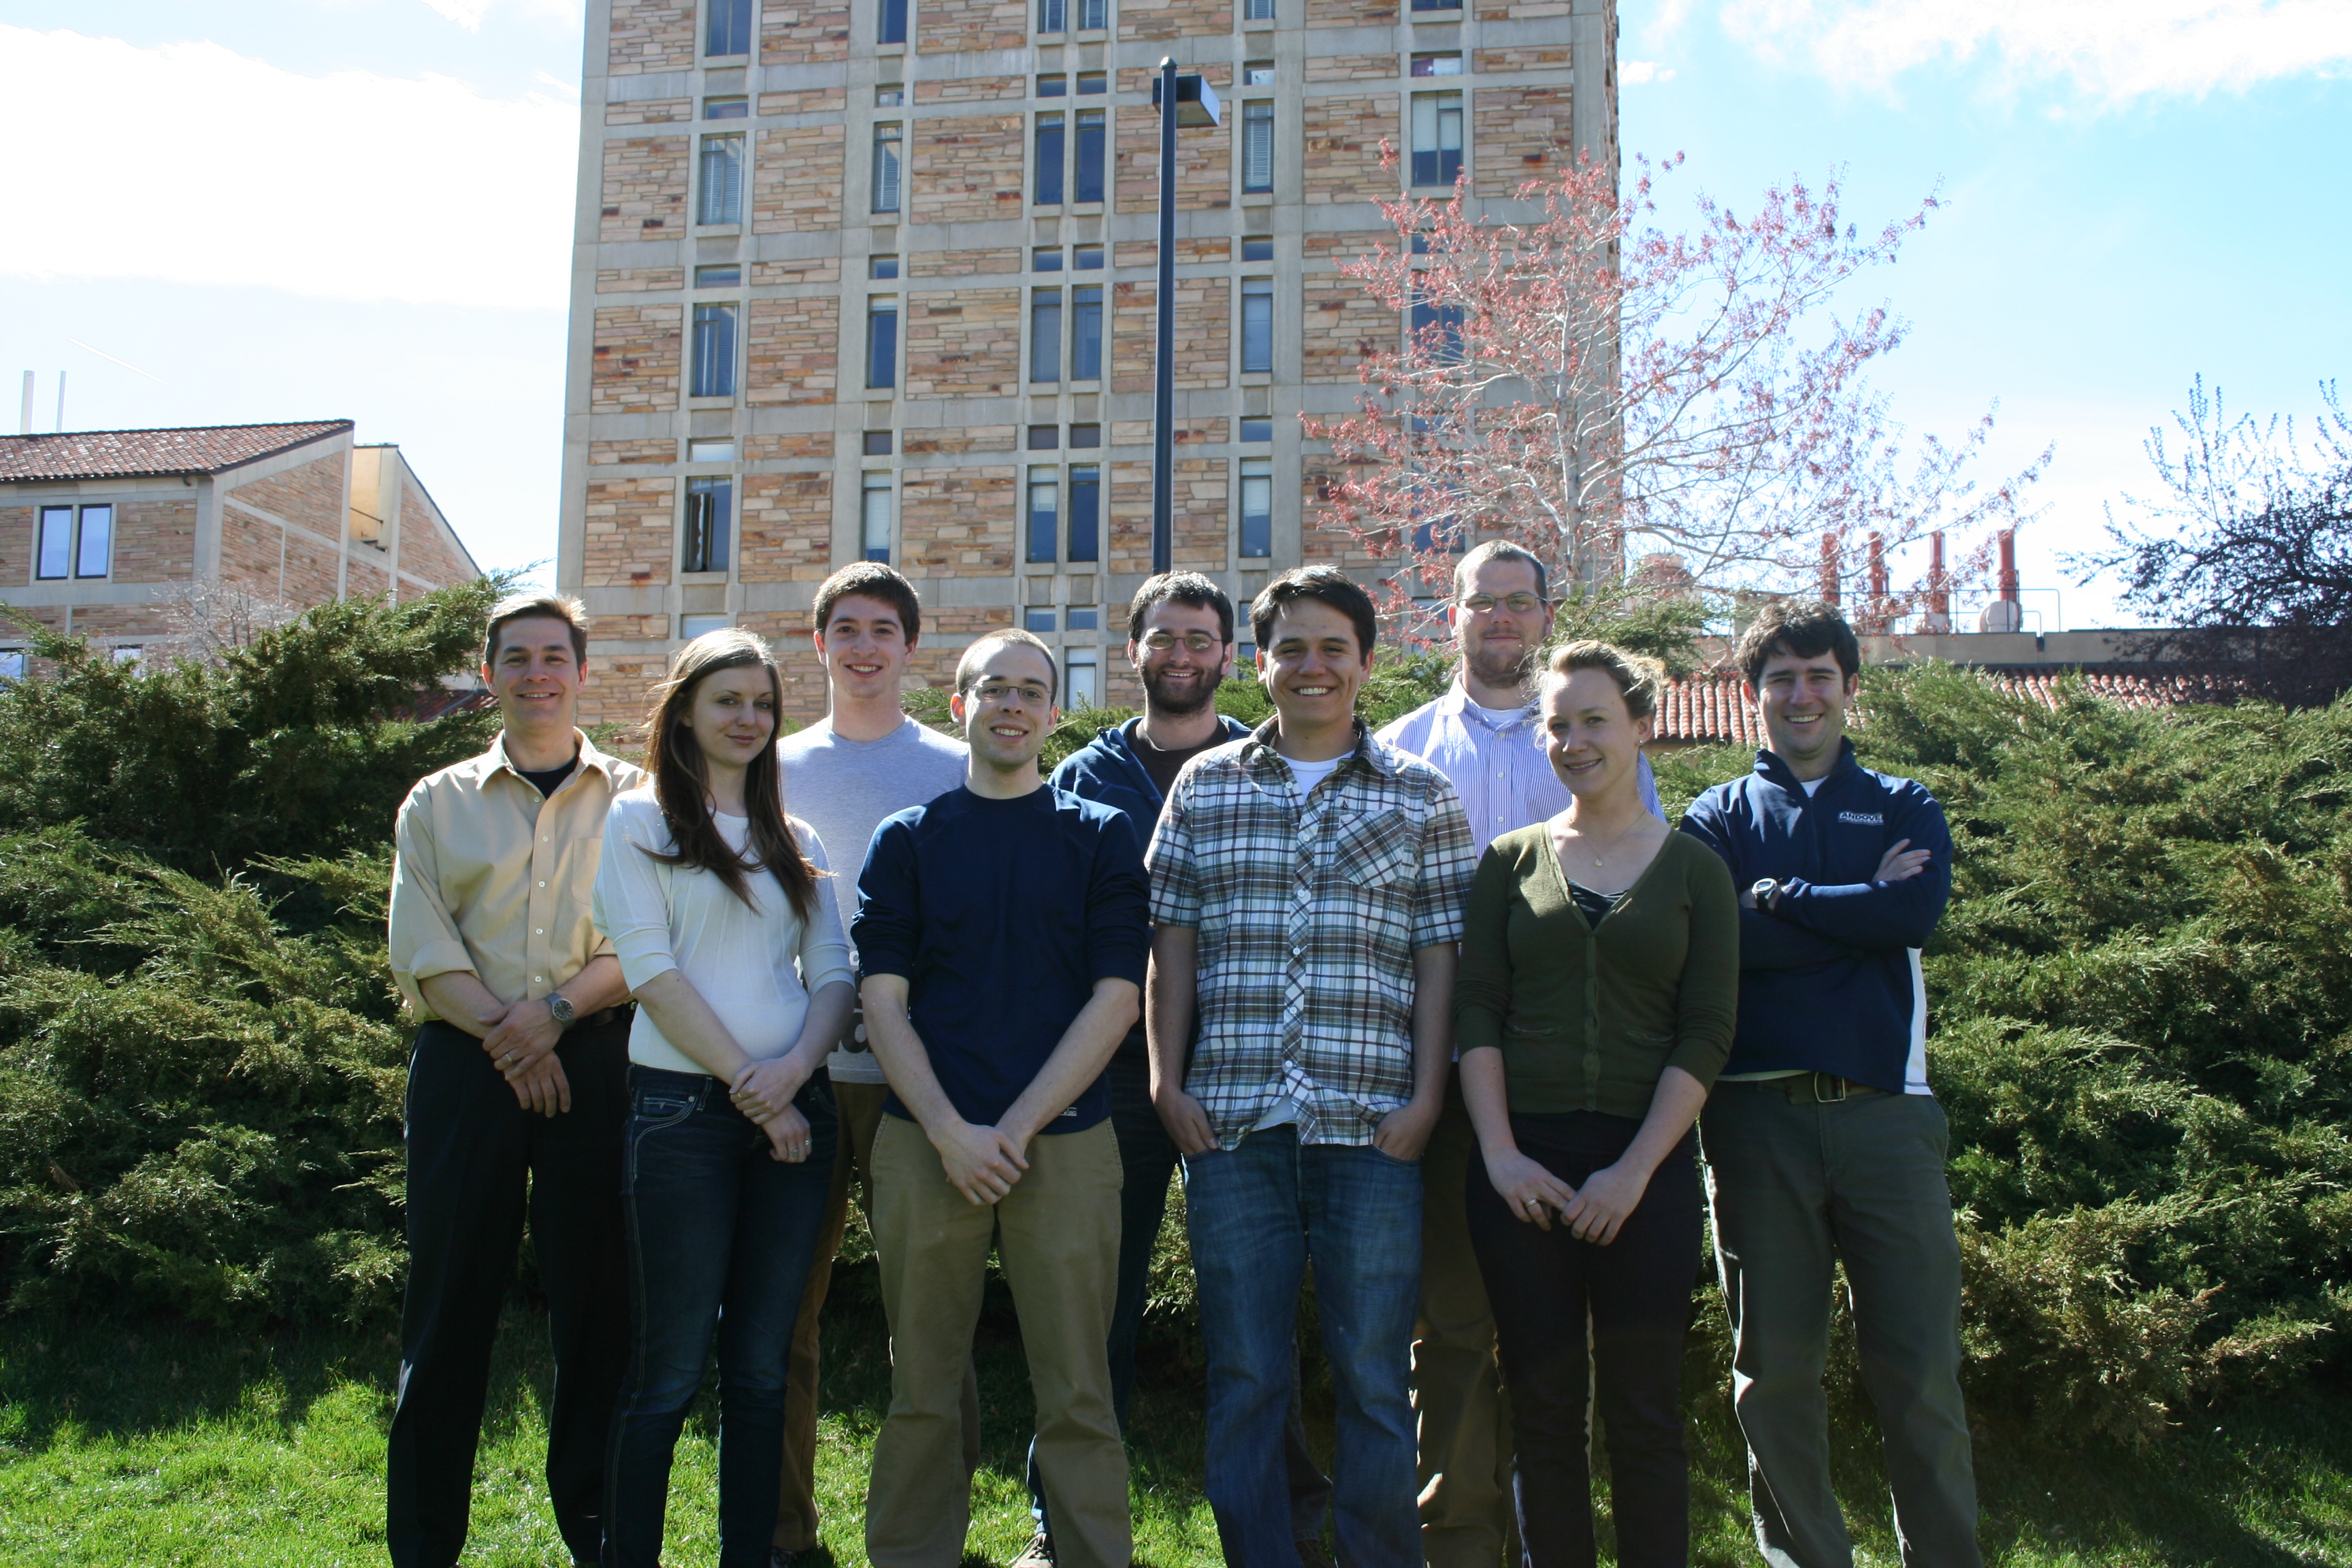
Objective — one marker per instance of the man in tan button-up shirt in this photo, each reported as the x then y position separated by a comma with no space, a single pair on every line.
518,1085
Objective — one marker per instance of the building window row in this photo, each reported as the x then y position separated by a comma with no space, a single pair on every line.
1070,158
730,25
1047,362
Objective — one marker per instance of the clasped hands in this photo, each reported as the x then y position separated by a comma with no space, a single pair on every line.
521,1044
1402,1135
1594,1212
764,1093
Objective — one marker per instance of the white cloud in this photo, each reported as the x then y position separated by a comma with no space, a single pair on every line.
2109,51
466,14
1638,73
208,167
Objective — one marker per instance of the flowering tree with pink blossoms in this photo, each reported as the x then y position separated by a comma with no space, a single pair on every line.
1656,415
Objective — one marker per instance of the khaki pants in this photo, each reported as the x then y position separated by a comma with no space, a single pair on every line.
860,1108
1057,1234
1465,1424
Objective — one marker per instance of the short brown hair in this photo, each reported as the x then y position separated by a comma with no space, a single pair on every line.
1800,628
1641,679
870,580
968,667
531,607
1179,588
1326,583
1503,549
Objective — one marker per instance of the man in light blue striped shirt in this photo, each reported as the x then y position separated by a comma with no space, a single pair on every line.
1484,735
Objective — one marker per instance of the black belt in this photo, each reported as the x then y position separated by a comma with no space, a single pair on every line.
1824,1089
622,1014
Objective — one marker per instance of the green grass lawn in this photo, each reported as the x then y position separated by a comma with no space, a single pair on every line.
162,1445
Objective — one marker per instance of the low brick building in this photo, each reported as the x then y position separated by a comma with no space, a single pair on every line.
107,533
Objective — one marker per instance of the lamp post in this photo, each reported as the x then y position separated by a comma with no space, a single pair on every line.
1182,101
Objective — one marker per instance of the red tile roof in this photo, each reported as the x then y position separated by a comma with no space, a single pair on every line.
143,454
1713,709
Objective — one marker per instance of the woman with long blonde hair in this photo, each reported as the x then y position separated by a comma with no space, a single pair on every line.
722,915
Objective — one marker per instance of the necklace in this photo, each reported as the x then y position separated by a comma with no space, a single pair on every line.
1600,860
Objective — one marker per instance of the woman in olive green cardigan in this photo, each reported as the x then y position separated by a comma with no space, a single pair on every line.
1593,1008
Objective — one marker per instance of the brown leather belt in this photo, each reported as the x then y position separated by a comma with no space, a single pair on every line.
1824,1089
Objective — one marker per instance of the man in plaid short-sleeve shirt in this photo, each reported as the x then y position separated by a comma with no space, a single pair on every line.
1307,886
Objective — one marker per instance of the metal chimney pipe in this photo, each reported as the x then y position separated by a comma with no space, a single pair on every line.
2009,564
1829,567
25,416
1878,566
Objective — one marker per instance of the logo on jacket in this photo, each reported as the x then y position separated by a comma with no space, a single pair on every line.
1862,818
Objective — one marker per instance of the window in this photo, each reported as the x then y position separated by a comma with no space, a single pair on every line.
878,443
890,95
893,27
692,626
1257,10
726,109
1257,73
714,352
1053,16
1046,259
1049,159
1080,675
1436,137
1045,513
1255,432
1045,437
1086,435
1087,258
1257,325
1257,248
1447,322
887,146
1437,65
882,342
1046,335
726,275
1086,511
1038,621
1258,146
722,180
710,451
1092,82
1089,175
1086,333
1093,17
12,664
709,523
873,517
730,28
130,654
1053,87
1086,620
881,267
1437,4
94,550
1258,507
55,557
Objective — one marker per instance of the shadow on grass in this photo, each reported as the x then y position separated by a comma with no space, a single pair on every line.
2265,1484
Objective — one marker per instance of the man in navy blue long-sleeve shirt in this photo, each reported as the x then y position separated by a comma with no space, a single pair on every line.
1001,933
1822,1141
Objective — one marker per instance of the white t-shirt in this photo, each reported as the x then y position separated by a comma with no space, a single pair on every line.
1309,774
755,967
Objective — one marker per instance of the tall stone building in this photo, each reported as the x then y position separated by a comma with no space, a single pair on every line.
877,280
128,537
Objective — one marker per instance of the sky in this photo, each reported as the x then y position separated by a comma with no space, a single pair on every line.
292,209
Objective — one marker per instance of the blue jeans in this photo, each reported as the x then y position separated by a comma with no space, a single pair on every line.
1148,1157
721,1238
1257,1215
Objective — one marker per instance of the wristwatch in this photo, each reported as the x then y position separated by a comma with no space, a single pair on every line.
1766,889
560,1006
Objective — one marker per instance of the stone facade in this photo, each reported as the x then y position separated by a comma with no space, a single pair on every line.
956,433
792,350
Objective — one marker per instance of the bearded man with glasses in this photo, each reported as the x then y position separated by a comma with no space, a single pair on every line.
1483,736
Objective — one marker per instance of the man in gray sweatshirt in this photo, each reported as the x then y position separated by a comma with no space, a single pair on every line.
864,760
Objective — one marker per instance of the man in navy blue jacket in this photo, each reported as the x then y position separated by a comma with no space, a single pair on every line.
1180,638
1822,1141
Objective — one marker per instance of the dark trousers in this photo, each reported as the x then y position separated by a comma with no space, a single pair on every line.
478,1163
1148,1158
1637,1290
721,1239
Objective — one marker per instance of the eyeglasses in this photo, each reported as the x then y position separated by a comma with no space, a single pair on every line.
1005,694
1518,604
1159,641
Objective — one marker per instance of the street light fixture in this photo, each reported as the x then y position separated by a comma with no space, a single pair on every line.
1182,101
